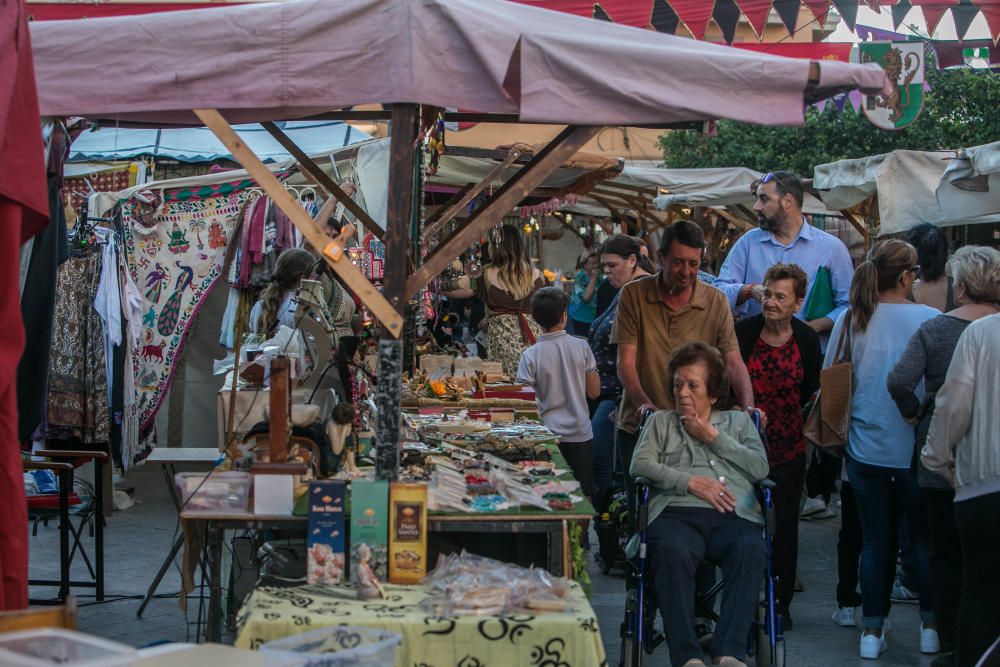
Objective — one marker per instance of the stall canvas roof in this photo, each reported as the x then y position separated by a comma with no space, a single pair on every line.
296,59
917,186
198,144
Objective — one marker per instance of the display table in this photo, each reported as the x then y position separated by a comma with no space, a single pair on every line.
567,638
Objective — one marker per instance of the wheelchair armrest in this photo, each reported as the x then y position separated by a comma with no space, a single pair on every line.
767,484
71,454
48,465
643,481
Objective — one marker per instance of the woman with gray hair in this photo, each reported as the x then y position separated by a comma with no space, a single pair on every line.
975,271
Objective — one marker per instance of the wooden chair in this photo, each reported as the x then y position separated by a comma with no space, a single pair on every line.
62,616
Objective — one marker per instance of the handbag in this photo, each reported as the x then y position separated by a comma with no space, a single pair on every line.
828,421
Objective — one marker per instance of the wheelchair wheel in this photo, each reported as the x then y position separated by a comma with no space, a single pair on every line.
631,653
763,651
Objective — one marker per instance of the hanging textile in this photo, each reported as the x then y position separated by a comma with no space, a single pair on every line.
175,257
78,398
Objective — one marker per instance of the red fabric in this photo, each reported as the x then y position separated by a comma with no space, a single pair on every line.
22,169
47,501
14,516
822,51
24,211
776,374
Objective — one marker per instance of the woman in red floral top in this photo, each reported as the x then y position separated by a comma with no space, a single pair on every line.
782,354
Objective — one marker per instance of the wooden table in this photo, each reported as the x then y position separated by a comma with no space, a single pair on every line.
555,525
168,458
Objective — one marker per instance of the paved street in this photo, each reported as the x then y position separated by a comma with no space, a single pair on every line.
138,539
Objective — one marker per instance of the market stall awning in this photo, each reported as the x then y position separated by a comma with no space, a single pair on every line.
290,60
198,144
917,186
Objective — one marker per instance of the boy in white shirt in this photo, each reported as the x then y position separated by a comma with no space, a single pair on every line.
563,371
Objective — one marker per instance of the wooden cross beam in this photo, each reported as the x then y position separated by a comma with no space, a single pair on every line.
320,178
513,191
291,207
452,211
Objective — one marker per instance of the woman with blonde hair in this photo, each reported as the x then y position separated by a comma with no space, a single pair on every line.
974,272
879,453
506,286
277,302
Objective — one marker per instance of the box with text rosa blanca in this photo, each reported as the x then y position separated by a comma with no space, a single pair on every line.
370,525
407,533
325,538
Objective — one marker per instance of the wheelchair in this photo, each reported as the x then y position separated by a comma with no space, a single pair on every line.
639,637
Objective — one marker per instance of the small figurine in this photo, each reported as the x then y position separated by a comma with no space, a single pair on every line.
369,587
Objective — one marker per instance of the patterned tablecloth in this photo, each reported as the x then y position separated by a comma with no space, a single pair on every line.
566,639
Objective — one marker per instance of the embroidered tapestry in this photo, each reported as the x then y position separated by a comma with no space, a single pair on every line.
175,258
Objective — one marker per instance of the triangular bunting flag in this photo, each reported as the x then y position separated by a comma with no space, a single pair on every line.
664,18
848,10
933,14
756,12
899,12
600,14
963,15
788,12
695,15
820,9
992,16
727,15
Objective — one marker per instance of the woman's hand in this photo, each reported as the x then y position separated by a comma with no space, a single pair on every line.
699,428
713,492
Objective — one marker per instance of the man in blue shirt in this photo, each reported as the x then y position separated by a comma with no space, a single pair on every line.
784,237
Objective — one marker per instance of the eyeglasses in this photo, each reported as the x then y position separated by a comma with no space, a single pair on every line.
915,270
782,179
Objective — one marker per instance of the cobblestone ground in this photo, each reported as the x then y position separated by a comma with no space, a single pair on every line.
138,539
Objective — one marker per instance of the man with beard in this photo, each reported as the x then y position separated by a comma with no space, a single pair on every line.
784,237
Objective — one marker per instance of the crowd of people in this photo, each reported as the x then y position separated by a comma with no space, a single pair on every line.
919,474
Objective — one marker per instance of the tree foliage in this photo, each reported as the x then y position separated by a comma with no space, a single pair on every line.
962,109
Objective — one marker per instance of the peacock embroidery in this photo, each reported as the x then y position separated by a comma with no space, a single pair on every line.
167,321
154,283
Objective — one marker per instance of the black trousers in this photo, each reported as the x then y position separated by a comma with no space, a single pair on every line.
978,620
580,457
945,558
789,478
679,540
821,479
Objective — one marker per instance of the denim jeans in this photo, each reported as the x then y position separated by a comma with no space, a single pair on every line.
604,450
679,539
884,496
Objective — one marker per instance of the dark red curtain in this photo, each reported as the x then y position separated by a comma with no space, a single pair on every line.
24,211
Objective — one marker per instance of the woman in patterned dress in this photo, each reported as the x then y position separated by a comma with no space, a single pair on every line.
506,286
782,354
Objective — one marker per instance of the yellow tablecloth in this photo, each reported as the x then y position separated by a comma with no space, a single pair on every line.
569,638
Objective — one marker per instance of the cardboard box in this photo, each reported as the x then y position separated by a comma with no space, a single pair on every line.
325,537
370,525
407,533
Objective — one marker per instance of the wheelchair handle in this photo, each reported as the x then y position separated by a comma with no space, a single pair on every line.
767,484
643,481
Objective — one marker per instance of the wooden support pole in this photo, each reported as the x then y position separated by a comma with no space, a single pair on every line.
291,207
278,410
399,218
513,191
320,178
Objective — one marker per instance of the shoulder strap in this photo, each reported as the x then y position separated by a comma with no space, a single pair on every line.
845,333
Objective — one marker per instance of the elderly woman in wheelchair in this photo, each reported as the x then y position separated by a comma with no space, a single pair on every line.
702,464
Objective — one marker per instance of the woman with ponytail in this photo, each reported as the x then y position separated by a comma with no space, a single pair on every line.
879,456
277,303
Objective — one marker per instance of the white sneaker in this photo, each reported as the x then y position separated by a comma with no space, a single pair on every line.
872,646
813,506
929,642
845,617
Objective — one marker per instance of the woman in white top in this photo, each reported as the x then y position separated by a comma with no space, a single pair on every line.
277,302
880,448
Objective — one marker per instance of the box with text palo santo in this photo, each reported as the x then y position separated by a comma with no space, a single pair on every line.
407,533
370,524
325,539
